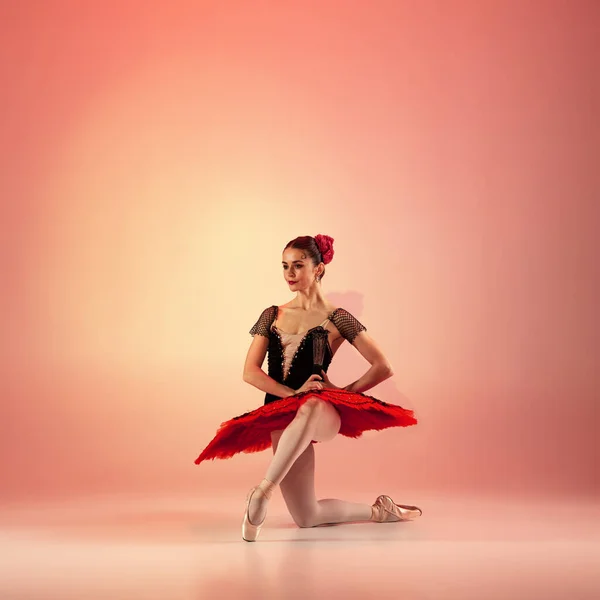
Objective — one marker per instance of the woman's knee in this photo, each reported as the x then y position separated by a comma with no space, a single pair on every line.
322,416
305,519
312,406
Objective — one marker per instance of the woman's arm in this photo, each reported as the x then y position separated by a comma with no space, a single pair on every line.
380,369
253,373
259,379
376,374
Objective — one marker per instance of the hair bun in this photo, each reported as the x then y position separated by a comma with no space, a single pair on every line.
325,245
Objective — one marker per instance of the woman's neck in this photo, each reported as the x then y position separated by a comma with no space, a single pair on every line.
312,300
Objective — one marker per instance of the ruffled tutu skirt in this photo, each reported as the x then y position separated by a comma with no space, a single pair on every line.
251,432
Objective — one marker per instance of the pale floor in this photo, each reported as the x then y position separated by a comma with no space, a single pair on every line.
190,548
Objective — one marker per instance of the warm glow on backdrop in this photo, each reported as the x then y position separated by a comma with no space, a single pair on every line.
155,164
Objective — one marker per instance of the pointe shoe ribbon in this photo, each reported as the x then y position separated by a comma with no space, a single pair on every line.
386,510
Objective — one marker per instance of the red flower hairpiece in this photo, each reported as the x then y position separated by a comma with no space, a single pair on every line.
325,245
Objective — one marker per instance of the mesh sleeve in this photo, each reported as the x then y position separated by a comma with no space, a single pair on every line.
347,325
263,325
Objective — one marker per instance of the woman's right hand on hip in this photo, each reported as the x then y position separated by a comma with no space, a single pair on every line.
311,383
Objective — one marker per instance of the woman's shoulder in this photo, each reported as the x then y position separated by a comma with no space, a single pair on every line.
347,324
342,313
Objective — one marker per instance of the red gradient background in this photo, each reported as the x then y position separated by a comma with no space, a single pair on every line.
156,158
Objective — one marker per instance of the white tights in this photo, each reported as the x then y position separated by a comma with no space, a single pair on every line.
293,469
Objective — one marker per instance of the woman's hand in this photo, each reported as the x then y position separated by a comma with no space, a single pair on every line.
311,384
327,383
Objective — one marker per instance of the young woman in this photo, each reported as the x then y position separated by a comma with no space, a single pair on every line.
302,406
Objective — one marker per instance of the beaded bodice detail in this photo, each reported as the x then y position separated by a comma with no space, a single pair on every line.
290,343
292,358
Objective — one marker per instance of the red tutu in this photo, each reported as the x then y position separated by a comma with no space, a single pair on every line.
251,432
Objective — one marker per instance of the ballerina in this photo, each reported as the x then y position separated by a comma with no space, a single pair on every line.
302,406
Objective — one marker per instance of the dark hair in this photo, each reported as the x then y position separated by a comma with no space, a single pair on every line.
309,245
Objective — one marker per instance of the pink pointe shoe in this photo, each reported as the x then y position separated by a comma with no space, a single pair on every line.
250,530
385,510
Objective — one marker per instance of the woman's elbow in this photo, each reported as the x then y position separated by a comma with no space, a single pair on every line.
248,375
387,370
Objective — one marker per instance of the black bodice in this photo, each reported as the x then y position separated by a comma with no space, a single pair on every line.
313,353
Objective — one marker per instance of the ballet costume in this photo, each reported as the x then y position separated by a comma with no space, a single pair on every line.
292,359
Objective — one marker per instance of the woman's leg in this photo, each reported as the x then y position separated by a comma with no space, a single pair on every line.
316,420
297,480
298,490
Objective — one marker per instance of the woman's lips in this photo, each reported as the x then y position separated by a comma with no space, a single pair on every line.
292,282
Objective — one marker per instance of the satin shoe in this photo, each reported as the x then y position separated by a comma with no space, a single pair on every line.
249,530
386,510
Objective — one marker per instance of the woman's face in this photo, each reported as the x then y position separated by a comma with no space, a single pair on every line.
298,269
